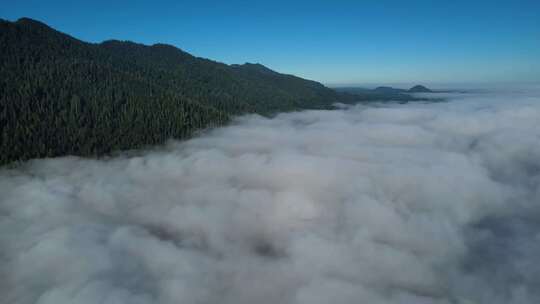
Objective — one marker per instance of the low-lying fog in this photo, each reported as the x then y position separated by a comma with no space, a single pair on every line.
410,204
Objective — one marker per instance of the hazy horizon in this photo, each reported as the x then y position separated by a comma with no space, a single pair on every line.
479,85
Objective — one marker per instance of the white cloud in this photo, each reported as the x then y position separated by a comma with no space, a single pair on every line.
415,203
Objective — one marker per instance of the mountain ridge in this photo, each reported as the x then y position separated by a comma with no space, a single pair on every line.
414,89
62,96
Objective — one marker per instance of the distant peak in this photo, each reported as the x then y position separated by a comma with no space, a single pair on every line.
387,89
419,89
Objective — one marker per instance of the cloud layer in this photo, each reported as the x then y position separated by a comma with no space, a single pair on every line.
415,203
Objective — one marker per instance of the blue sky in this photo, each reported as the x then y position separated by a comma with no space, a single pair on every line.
335,42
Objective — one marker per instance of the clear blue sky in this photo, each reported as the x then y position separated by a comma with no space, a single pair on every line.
335,42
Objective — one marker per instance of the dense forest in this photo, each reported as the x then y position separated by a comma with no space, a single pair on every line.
60,95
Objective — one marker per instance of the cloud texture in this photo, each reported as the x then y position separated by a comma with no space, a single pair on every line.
415,203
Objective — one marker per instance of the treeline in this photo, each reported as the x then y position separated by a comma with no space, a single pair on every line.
59,95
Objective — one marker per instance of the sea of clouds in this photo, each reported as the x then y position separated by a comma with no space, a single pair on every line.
389,203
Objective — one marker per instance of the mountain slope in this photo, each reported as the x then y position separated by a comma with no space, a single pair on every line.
60,95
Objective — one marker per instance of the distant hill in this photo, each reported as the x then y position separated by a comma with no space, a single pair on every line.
386,93
415,89
388,90
419,89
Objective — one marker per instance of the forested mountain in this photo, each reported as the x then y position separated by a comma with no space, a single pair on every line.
360,94
60,95
385,92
